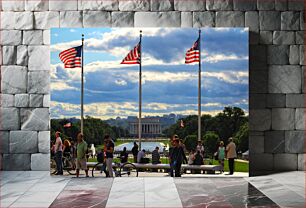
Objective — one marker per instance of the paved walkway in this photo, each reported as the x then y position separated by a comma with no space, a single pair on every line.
39,189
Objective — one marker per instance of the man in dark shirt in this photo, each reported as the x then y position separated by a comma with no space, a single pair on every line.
135,152
109,154
124,156
177,158
155,156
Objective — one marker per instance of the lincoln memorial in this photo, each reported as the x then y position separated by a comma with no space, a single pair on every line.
151,127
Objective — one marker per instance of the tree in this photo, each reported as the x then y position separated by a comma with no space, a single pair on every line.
211,140
191,142
241,138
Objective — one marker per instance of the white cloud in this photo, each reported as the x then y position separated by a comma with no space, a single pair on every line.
61,85
121,82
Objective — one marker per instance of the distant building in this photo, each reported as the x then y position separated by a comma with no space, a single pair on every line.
151,127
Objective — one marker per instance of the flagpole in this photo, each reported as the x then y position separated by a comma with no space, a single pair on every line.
82,87
199,90
140,95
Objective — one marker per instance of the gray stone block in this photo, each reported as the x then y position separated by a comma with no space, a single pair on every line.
229,19
13,79
35,119
10,119
257,101
162,5
281,5
157,19
258,81
283,118
251,21
295,100
22,55
36,100
276,100
16,162
302,55
46,37
285,79
11,37
299,119
33,37
36,5
260,120
303,79
23,142
40,162
283,38
294,54
44,141
294,142
6,100
46,101
185,6
261,162
6,20
98,5
256,133
71,19
97,19
122,19
186,19
301,162
296,5
39,82
203,19
275,142
46,20
9,55
39,58
290,21
22,100
269,20
256,144
134,5
24,20
285,162
245,5
4,142
253,38
265,5
257,57
278,54
63,5
299,37
222,5
302,20
12,5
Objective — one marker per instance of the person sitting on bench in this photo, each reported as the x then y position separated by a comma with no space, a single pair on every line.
141,157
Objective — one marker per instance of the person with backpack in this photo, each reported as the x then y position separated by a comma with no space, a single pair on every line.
101,159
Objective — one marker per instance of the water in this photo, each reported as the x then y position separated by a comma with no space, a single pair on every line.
148,146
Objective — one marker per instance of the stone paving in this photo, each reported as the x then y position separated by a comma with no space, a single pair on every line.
39,189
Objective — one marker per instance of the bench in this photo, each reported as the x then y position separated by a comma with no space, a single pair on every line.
205,168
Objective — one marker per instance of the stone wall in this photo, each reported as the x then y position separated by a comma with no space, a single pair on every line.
276,68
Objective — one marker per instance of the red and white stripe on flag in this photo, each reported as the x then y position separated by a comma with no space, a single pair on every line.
133,56
71,57
193,54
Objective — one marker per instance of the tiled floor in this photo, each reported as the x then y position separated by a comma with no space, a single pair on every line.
39,189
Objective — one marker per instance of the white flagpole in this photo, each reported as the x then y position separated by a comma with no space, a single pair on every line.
140,96
82,87
199,90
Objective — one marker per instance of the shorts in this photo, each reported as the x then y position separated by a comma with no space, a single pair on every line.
81,164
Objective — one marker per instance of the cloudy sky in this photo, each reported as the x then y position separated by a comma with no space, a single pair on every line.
169,85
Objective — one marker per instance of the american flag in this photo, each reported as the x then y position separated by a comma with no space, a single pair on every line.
133,57
193,54
71,57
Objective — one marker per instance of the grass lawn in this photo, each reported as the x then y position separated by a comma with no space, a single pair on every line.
239,166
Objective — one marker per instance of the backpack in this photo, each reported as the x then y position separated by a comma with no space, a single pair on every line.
100,157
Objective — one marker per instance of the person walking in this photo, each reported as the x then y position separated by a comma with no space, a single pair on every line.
231,154
109,154
81,155
135,152
58,150
221,154
155,156
177,158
